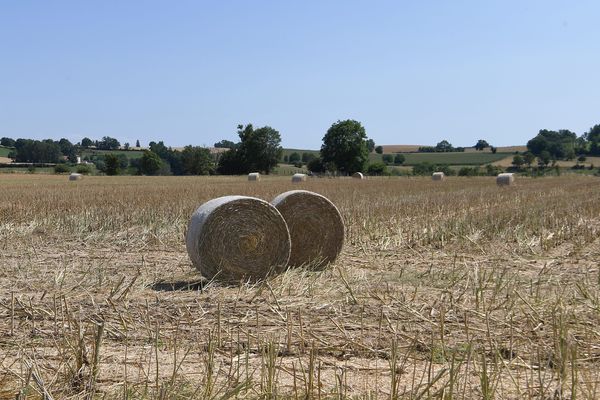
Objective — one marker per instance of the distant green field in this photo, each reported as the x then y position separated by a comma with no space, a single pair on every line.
4,151
448,158
21,170
287,152
288,169
128,153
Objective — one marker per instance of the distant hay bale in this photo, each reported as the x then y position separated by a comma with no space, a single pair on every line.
75,176
316,227
358,175
237,238
298,178
438,176
254,176
505,179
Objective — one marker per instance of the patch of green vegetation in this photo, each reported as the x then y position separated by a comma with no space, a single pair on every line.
447,158
288,169
131,154
287,152
4,151
25,170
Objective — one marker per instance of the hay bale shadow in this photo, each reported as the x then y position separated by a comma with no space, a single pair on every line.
196,285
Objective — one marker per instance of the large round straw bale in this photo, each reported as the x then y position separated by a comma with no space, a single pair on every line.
438,176
505,179
75,176
358,175
316,227
254,176
298,178
238,237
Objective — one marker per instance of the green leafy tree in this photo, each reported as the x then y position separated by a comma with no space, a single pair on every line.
230,163
294,158
61,169
259,149
544,158
225,144
529,158
137,143
197,160
84,169
370,145
593,137
316,165
108,143
558,143
170,156
86,142
307,157
518,161
387,158
7,142
481,145
379,149
150,163
344,145
123,161
377,168
399,159
35,151
68,150
111,164
424,168
444,146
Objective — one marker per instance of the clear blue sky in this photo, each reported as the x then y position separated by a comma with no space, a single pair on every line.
187,72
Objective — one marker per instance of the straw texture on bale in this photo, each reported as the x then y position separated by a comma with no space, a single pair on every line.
254,176
299,178
438,176
505,179
358,175
75,177
316,227
237,238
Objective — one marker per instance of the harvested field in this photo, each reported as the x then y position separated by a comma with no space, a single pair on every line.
410,148
460,290
594,161
454,158
401,148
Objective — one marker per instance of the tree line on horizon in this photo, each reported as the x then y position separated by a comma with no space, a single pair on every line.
345,150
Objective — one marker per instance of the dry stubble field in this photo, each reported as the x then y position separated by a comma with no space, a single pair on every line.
453,290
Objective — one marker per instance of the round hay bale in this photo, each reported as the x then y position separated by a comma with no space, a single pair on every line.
358,175
298,178
253,176
75,176
438,176
316,227
505,179
237,238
